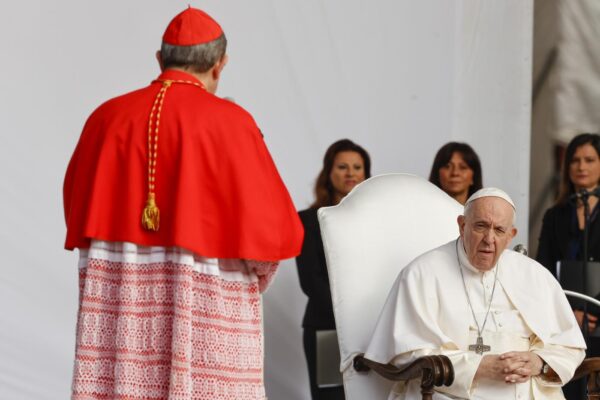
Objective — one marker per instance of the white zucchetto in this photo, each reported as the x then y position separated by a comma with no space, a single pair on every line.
490,192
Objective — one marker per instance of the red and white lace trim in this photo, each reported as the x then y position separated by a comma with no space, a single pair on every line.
158,323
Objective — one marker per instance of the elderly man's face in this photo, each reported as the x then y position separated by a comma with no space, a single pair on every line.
486,230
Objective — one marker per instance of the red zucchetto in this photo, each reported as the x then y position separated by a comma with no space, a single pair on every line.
192,27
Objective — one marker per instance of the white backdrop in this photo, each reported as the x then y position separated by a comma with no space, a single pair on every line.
399,77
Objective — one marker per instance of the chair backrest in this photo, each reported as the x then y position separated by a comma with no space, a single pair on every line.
583,297
377,229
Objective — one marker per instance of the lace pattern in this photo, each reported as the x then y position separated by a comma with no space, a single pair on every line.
162,330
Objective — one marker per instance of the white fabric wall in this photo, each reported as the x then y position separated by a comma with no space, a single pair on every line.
399,77
576,78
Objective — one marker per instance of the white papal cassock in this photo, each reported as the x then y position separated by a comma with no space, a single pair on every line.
427,313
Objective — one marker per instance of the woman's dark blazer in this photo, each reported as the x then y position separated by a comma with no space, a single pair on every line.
312,272
557,231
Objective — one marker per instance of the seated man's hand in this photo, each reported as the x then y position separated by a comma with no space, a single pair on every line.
511,367
522,365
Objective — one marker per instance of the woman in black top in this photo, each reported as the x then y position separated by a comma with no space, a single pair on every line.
561,238
345,165
562,230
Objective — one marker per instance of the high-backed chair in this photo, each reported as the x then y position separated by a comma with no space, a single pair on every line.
374,232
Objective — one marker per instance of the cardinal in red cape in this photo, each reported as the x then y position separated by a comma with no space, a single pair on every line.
180,217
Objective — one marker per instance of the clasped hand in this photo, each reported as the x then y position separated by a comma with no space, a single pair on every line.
511,367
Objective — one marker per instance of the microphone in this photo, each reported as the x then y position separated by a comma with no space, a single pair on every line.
595,192
584,194
521,248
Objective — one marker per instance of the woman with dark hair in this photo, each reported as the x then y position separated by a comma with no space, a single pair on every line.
561,238
457,171
562,229
345,165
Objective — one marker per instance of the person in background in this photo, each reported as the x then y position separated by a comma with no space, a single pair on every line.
457,171
561,237
175,238
345,165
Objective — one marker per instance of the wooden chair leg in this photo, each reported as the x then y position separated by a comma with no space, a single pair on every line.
593,386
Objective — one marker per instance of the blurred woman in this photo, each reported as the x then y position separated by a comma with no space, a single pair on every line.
561,238
345,165
457,171
562,229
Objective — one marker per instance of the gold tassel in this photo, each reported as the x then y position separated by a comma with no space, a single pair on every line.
151,214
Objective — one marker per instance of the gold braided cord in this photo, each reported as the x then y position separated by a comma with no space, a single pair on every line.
199,84
151,213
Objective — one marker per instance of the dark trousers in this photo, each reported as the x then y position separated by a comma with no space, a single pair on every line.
575,390
310,350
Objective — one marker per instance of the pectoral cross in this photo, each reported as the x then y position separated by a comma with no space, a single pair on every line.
479,347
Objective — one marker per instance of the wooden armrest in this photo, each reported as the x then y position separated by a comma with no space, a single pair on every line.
587,367
433,371
590,367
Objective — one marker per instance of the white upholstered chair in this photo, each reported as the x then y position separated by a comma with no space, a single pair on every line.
368,238
374,232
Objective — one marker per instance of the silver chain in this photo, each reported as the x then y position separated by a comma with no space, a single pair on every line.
460,268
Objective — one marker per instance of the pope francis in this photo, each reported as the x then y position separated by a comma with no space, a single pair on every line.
499,316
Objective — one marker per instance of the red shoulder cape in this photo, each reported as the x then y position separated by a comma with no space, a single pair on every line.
217,188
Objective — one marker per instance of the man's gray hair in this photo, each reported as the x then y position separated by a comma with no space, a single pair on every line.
198,58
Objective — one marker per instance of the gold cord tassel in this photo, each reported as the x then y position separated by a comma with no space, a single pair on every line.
151,214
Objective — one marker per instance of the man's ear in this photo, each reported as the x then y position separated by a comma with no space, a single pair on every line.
218,67
159,59
461,224
513,232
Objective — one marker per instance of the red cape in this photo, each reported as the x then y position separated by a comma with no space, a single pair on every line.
217,188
